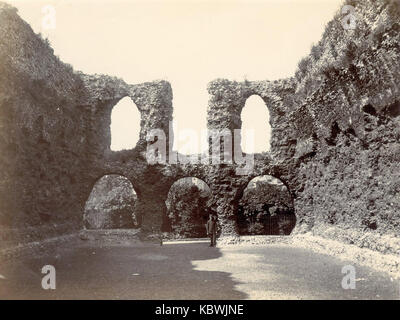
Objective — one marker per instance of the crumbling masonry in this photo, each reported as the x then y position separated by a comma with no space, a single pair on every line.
335,136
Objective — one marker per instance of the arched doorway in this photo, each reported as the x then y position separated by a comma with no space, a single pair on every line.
111,204
125,125
266,208
187,207
255,118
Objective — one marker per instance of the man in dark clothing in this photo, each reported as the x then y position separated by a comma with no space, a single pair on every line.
211,227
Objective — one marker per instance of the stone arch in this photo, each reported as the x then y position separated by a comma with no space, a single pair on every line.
125,125
270,172
111,204
187,210
255,116
288,207
100,174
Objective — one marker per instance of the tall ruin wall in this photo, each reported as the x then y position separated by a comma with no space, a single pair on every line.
348,121
334,144
42,136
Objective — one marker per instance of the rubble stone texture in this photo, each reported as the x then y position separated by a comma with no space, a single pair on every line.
335,135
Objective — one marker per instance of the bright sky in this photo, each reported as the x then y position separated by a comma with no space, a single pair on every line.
187,43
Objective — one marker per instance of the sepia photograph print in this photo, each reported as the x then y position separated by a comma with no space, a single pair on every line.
195,155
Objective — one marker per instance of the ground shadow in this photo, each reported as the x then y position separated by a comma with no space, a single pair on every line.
121,272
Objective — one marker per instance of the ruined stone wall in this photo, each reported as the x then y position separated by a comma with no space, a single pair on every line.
55,138
227,99
154,102
348,123
335,128
42,138
334,143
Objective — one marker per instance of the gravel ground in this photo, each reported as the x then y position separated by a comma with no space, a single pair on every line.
388,263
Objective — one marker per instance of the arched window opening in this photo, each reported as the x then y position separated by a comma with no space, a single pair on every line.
125,125
111,204
266,208
256,130
188,207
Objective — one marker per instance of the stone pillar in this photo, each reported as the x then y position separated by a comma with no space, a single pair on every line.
227,99
223,201
154,100
153,210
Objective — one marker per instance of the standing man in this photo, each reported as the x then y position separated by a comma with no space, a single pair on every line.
211,227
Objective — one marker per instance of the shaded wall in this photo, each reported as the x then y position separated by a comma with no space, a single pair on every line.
42,136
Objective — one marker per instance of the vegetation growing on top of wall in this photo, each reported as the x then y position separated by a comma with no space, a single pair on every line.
29,60
346,52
